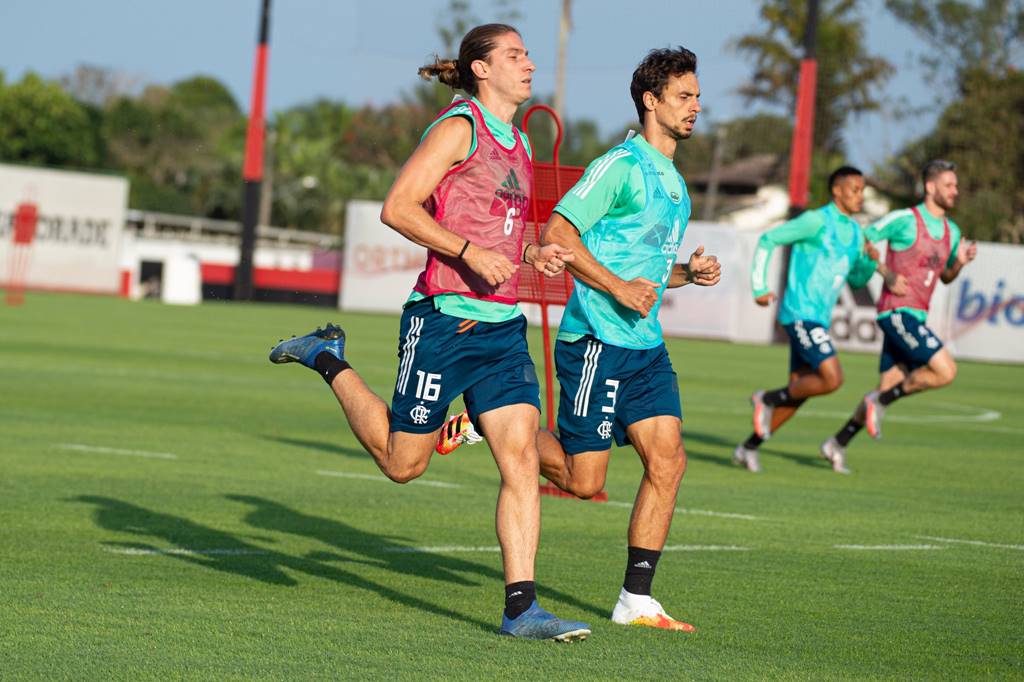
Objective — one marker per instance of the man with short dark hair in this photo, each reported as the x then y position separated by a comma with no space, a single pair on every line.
924,246
624,221
828,251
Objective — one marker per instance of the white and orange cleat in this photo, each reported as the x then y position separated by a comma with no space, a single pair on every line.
644,610
456,431
873,412
762,415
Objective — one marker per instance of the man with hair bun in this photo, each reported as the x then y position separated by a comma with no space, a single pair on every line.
828,252
464,195
924,247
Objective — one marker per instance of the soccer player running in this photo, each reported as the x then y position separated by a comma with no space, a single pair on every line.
624,221
828,251
463,194
924,246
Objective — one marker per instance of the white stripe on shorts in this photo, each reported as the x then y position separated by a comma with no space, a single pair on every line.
582,401
412,337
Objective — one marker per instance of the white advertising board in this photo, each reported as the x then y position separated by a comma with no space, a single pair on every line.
727,310
78,235
380,266
980,315
984,309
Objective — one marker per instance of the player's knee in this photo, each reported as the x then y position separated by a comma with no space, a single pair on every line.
667,472
947,372
832,379
587,488
403,473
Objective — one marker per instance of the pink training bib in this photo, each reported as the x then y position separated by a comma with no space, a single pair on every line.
921,264
484,199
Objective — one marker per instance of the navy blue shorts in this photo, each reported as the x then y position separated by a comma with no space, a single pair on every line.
606,388
809,344
907,342
441,356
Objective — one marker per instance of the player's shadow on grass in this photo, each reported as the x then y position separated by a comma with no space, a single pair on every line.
707,439
380,551
210,548
190,542
322,446
811,459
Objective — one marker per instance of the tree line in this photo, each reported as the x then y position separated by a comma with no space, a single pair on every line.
181,145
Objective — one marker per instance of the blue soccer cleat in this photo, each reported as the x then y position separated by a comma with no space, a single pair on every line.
536,623
304,349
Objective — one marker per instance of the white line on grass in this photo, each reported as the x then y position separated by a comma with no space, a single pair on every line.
978,543
79,447
139,551
383,479
696,512
979,419
704,548
442,549
992,429
723,515
893,548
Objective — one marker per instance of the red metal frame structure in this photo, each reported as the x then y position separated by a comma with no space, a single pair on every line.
26,219
549,182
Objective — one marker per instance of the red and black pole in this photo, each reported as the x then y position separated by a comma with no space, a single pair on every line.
803,129
252,170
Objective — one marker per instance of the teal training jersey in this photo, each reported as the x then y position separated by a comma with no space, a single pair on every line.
899,228
642,243
464,306
828,251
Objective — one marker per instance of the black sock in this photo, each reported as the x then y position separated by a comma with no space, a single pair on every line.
892,395
518,597
754,442
779,396
846,434
329,366
640,570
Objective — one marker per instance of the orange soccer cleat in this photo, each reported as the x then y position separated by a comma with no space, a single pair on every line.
644,610
456,431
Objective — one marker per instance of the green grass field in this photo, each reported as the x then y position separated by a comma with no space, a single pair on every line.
174,506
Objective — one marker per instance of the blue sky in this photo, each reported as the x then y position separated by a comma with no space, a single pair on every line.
361,51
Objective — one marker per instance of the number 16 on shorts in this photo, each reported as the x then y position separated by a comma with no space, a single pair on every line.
428,385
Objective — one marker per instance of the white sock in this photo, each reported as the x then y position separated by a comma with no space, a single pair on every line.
633,601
